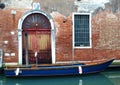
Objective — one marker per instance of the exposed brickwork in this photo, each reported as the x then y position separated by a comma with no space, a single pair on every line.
105,36
8,24
109,34
63,36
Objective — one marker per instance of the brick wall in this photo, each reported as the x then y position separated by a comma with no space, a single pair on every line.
63,36
8,34
105,36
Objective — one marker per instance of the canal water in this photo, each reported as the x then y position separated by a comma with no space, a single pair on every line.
108,77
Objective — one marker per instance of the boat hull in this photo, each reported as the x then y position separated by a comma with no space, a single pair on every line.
77,69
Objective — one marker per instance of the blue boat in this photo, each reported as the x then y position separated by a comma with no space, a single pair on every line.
58,69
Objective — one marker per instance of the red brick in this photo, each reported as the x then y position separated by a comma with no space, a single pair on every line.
103,32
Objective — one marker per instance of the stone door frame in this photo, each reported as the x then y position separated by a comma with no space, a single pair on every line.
20,34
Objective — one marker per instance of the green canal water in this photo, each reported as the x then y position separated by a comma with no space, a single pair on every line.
108,77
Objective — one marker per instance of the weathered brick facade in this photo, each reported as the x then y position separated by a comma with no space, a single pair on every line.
9,34
105,36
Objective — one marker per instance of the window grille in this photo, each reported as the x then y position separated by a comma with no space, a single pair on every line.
82,30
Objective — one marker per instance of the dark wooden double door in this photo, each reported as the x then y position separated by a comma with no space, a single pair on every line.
38,39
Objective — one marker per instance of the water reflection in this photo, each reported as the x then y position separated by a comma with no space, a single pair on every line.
113,76
94,79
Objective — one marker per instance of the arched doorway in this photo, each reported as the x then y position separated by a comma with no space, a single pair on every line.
38,30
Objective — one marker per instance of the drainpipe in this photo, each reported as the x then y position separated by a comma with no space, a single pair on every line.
26,49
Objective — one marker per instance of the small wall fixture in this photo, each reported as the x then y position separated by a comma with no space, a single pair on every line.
36,6
6,42
13,12
12,33
2,5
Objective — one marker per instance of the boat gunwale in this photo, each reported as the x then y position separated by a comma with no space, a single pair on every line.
58,66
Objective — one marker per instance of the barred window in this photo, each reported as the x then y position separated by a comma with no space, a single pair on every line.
82,30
